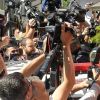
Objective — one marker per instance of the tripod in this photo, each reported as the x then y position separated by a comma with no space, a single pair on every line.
52,66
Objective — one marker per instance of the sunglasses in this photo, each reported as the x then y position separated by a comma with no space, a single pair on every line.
14,51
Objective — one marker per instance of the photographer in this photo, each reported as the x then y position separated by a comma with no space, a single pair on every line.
29,30
29,48
93,92
21,89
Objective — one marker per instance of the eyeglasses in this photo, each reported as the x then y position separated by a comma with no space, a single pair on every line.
14,51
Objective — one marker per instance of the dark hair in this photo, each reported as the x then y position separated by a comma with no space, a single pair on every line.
13,87
98,15
2,73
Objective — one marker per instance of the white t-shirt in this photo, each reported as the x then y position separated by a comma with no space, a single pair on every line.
92,93
50,97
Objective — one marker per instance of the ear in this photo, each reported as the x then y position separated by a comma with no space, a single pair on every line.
29,94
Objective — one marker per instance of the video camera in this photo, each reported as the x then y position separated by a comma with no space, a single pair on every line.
12,3
51,5
75,13
92,31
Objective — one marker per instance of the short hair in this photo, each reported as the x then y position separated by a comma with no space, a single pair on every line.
23,42
2,73
13,87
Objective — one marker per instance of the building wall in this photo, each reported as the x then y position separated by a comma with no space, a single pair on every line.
88,14
2,7
83,2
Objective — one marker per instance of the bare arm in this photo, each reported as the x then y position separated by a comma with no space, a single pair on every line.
1,44
62,92
29,30
30,68
2,65
30,33
80,86
4,42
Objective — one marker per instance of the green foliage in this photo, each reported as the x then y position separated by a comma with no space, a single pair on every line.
65,3
96,38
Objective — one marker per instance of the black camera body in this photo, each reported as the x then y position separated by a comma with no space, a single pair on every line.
12,3
92,31
51,5
75,13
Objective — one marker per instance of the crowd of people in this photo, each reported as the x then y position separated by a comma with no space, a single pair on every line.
26,45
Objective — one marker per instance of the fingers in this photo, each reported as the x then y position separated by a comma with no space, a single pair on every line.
66,25
32,22
69,25
6,38
63,26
